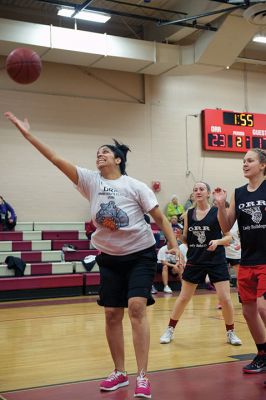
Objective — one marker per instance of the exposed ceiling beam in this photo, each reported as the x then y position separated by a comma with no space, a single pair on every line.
158,21
195,17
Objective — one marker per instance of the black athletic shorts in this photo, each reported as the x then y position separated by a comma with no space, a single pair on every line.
233,261
124,277
197,273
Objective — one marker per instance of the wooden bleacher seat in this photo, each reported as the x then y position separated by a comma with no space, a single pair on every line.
79,255
80,244
59,226
24,226
18,236
32,256
63,235
25,245
79,268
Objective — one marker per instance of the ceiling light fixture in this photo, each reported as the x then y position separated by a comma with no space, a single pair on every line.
66,12
259,39
85,15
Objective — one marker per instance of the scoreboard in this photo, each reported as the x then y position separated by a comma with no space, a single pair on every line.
233,131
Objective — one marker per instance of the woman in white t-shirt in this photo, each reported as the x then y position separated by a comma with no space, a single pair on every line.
128,258
168,264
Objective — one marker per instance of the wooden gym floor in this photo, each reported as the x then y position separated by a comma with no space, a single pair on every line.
56,350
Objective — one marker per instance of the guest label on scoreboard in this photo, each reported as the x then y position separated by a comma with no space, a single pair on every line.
233,131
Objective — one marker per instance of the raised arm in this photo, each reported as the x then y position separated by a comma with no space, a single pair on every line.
66,167
226,216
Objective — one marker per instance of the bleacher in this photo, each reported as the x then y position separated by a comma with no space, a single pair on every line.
50,271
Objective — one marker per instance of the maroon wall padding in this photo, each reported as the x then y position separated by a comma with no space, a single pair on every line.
41,269
31,256
92,278
22,245
10,236
79,254
65,235
82,244
41,282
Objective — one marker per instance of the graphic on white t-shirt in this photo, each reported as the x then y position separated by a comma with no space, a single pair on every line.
112,217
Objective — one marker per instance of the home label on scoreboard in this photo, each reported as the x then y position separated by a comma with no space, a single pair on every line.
233,131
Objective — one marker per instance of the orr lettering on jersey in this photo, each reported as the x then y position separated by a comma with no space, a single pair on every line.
199,228
252,204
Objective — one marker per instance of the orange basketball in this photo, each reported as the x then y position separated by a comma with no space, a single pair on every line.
23,65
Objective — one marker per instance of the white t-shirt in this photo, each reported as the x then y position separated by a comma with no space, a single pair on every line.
164,256
117,210
183,249
230,251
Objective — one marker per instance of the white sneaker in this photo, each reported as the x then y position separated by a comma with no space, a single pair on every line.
233,339
167,336
153,290
167,289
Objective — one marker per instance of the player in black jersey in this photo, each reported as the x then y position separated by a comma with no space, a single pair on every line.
248,207
206,255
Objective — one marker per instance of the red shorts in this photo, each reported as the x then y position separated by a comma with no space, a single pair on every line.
251,282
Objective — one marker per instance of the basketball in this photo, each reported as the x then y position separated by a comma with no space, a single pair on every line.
23,65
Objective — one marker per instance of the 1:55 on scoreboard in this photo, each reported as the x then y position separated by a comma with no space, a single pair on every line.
233,131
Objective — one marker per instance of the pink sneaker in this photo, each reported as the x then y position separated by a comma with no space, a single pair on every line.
114,381
143,387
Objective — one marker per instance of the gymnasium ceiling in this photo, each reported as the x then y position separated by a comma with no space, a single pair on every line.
169,36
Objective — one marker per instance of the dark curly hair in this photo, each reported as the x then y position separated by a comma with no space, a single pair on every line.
120,150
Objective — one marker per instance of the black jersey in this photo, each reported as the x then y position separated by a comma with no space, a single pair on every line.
250,208
199,235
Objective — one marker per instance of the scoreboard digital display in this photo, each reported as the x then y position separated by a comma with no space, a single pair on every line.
233,131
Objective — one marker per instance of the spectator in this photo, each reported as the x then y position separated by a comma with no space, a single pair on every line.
189,202
8,218
174,208
168,264
177,228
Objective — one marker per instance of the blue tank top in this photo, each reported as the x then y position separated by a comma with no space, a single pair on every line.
199,235
250,208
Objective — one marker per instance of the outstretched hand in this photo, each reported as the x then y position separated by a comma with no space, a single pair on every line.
219,195
23,126
212,245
